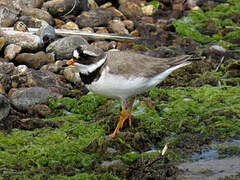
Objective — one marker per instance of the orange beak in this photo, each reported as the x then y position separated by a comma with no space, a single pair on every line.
70,62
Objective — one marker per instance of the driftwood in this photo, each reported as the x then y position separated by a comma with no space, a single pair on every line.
86,35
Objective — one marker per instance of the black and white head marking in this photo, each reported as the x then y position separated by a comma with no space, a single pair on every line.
88,58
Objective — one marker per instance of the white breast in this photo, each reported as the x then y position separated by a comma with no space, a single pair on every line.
111,85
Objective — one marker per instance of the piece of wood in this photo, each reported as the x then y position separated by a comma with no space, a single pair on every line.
86,35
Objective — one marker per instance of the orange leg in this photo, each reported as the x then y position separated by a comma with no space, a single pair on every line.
120,122
129,114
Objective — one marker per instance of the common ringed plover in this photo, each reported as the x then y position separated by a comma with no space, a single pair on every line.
122,74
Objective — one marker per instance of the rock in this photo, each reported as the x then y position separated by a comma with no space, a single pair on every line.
93,18
63,48
26,40
40,109
72,75
8,18
20,69
130,10
11,51
2,43
5,83
88,29
31,21
23,99
55,67
4,107
148,10
32,3
101,30
129,25
70,25
35,61
38,13
40,78
92,4
62,7
105,45
7,68
106,5
218,50
115,166
117,13
117,26
20,26
47,34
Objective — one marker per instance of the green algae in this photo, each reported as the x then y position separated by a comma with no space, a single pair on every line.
210,111
59,153
219,17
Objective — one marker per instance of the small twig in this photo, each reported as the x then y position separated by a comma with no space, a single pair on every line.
232,27
220,63
86,35
160,155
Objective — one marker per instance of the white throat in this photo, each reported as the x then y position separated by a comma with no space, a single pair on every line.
86,69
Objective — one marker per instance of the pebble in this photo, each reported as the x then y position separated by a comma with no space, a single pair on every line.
62,7
26,40
35,61
8,18
117,26
38,13
94,18
20,26
2,43
4,106
11,51
23,99
63,48
130,10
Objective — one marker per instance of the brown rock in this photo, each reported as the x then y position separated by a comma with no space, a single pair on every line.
101,30
40,109
130,10
92,5
38,13
106,5
94,18
20,26
88,29
116,12
105,45
129,24
2,43
31,21
117,26
35,61
70,25
62,7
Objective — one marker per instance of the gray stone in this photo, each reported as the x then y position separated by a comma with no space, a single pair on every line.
11,51
115,166
47,34
40,78
6,68
5,83
23,99
63,48
93,18
32,3
4,107
7,17
62,7
26,40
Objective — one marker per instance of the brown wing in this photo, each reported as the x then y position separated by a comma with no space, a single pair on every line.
127,63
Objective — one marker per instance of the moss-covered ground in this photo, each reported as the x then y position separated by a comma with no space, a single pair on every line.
185,117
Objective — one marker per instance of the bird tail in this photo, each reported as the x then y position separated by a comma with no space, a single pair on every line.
182,60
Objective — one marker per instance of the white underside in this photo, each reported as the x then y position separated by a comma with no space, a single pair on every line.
110,85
